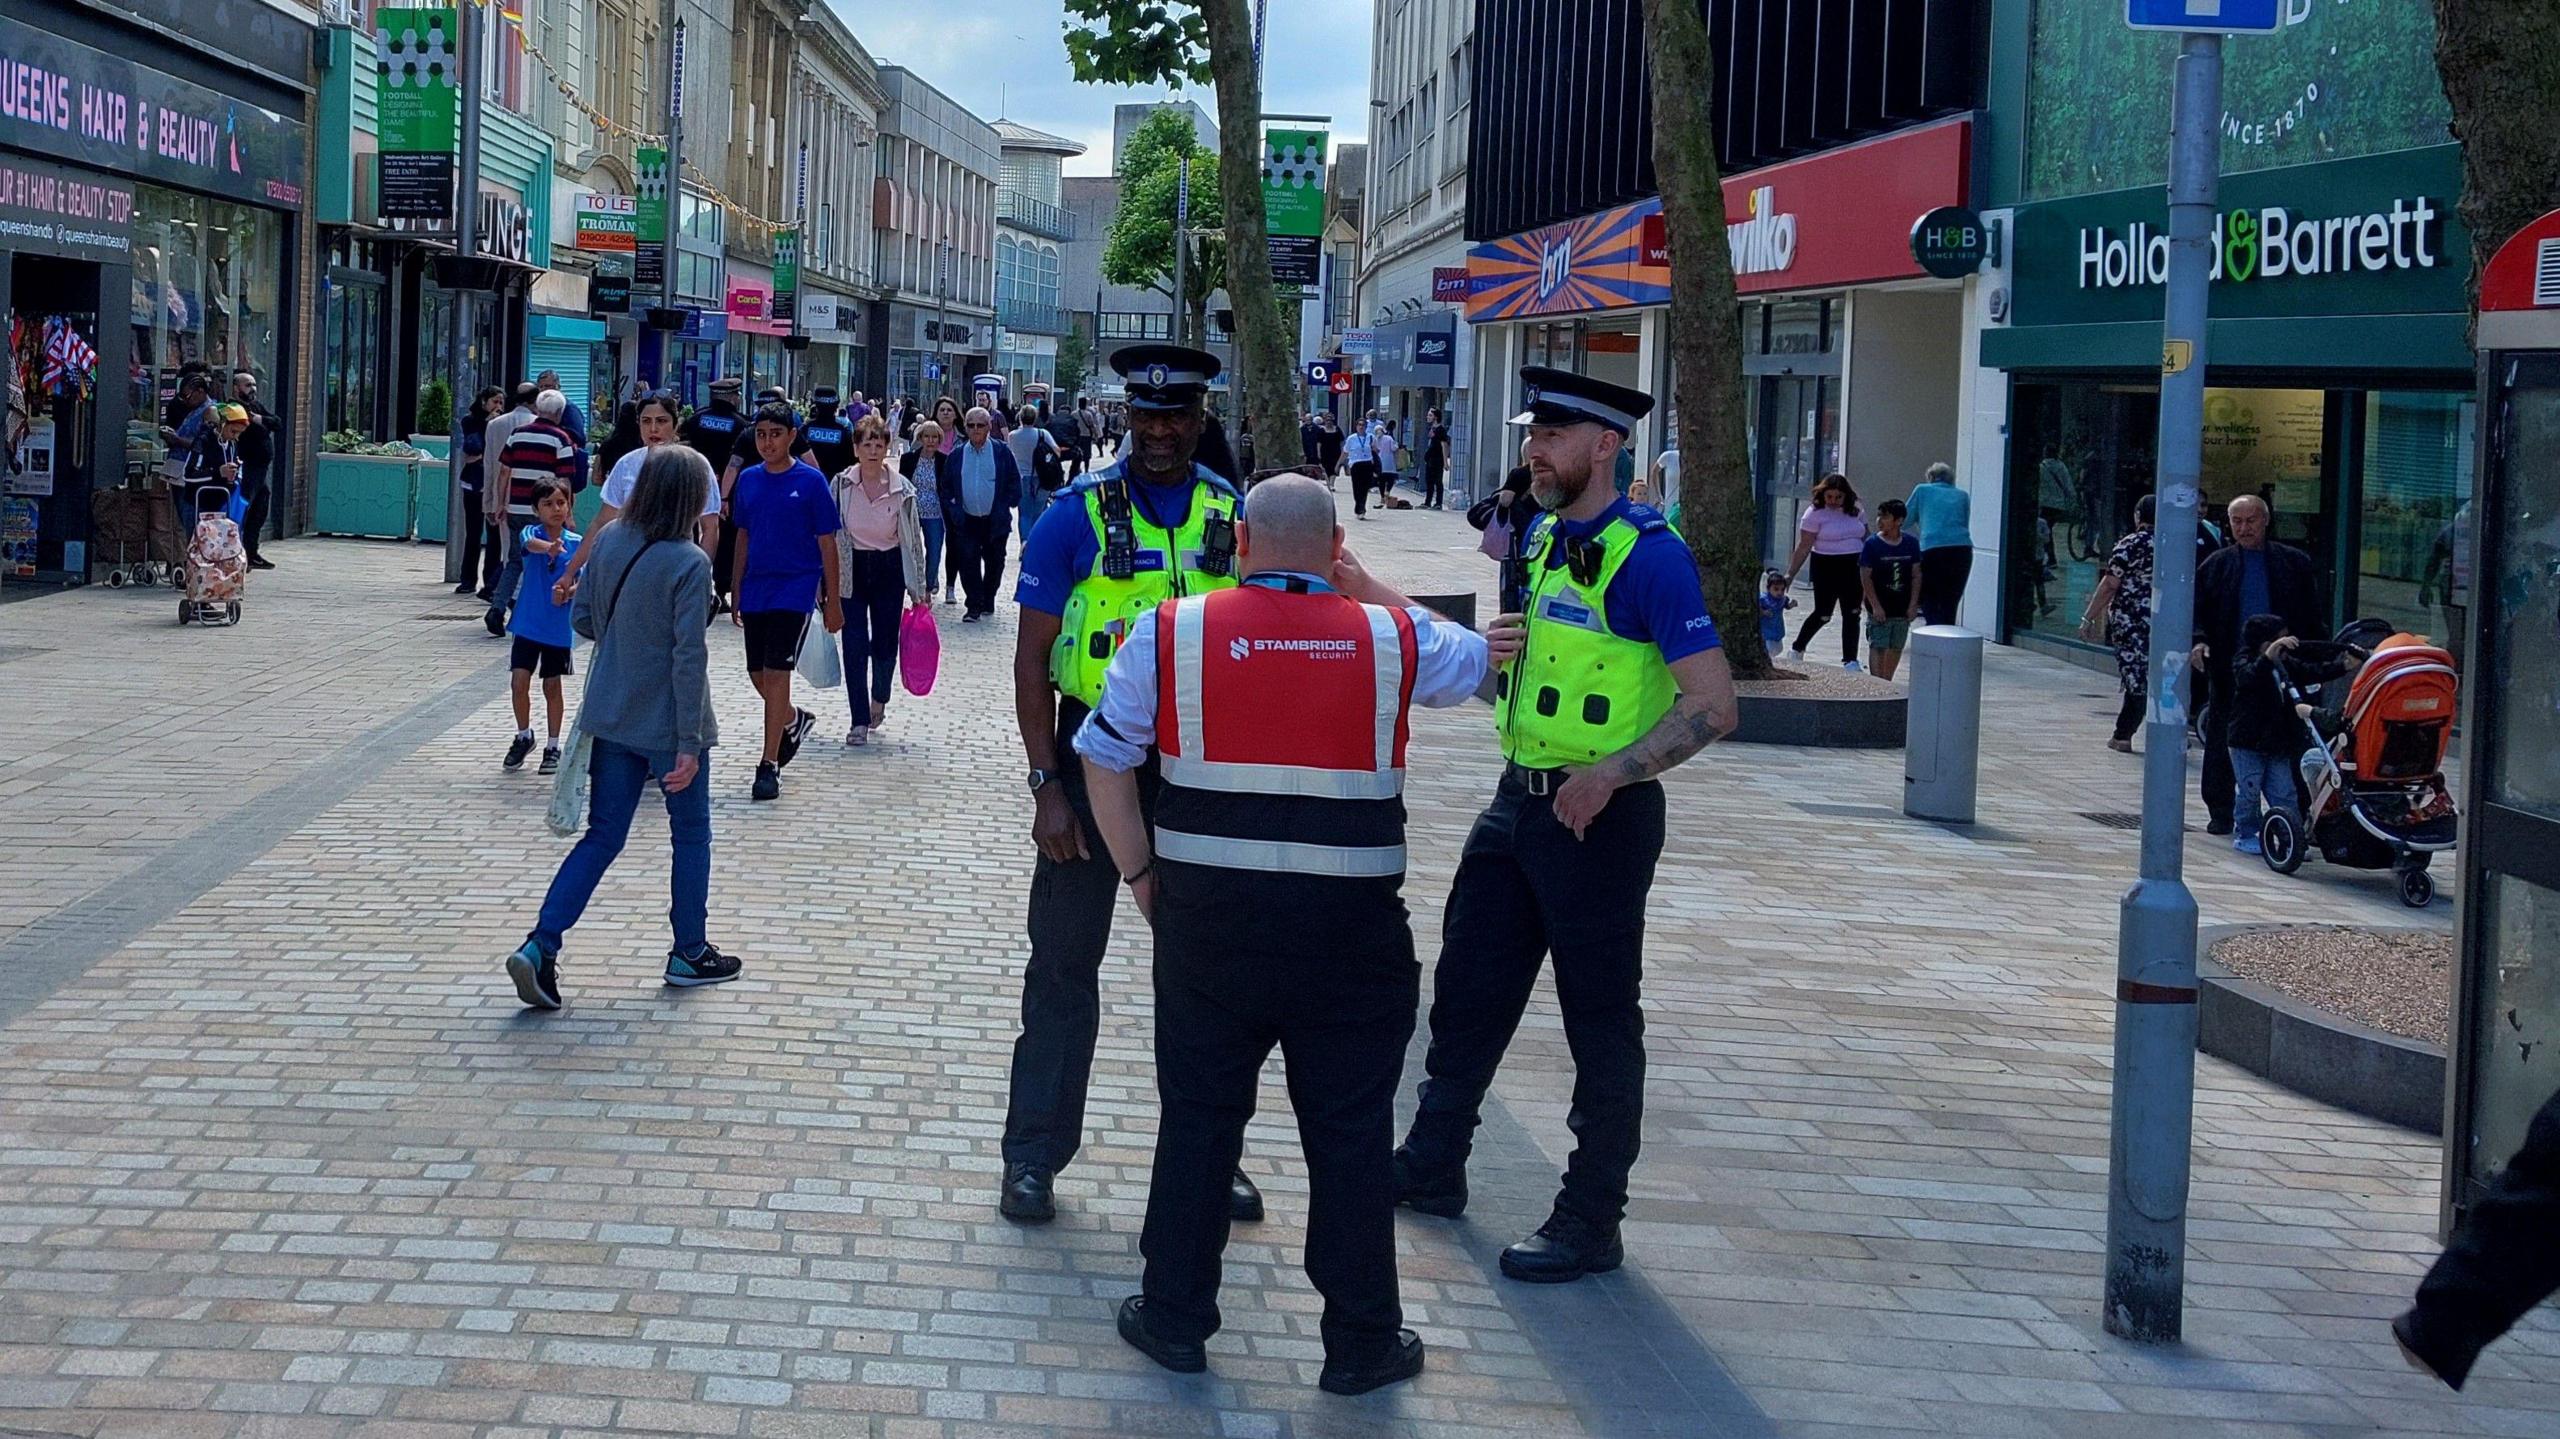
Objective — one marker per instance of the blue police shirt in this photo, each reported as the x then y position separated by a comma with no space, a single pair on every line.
786,515
1063,547
1656,597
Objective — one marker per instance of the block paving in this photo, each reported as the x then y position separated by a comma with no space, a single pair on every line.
286,1159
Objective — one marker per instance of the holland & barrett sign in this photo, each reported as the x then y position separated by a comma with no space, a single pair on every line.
2371,236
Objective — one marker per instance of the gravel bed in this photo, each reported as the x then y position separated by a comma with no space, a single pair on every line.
1833,683
2399,981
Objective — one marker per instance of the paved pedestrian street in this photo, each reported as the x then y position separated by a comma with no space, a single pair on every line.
283,1156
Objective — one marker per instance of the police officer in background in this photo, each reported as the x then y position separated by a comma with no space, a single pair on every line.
1620,678
715,432
826,437
1280,721
1109,549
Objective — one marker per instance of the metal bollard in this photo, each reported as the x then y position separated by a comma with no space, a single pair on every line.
1942,743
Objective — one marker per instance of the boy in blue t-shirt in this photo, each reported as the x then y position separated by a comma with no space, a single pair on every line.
540,623
786,520
1889,569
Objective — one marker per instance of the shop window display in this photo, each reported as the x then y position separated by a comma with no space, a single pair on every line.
205,278
2414,536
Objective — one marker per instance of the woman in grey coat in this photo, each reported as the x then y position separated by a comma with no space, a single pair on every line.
645,599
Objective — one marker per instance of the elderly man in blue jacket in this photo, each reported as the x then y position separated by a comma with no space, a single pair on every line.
981,487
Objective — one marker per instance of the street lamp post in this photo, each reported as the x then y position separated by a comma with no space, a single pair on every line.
466,240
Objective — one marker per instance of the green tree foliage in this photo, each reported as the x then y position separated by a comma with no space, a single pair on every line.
1139,249
1146,43
2500,60
1075,361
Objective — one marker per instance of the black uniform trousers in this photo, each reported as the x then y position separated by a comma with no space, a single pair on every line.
1071,908
1237,972
2219,786
2503,1260
1526,888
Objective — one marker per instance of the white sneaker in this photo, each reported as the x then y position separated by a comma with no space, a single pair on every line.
1798,655
1850,667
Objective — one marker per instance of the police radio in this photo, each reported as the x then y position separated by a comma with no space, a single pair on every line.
1218,545
1119,535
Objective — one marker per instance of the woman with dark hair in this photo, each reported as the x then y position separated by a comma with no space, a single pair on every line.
647,708
624,437
654,418
479,576
946,418
1833,535
2120,609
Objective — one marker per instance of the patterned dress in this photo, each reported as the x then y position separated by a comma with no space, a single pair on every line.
2129,613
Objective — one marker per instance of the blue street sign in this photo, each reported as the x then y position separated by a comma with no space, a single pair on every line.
1319,374
2230,17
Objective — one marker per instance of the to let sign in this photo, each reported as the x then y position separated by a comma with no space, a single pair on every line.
608,224
2233,17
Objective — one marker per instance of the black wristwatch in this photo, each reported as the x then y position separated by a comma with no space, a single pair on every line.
1133,880
1041,779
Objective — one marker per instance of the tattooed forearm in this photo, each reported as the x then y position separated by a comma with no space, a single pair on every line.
1691,726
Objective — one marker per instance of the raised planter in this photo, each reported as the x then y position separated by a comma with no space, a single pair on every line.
2315,1054
429,505
1816,721
367,496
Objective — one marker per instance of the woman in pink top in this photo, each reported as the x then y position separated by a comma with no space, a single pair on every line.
880,556
1832,534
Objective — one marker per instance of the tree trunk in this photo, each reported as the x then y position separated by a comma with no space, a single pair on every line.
1718,508
1266,372
2500,63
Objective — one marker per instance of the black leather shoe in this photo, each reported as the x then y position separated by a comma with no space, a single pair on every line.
1442,1195
1173,1354
1565,1248
1025,1198
2217,826
1244,1202
1394,1367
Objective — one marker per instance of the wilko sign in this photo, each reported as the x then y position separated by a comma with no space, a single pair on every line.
1843,217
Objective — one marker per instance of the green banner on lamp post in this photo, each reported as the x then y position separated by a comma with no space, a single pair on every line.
419,74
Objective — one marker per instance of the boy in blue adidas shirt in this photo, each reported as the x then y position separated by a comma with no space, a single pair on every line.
540,623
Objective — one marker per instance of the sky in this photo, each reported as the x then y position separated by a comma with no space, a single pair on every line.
1007,59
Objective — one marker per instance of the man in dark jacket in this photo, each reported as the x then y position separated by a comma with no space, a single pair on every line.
981,487
257,463
2500,1264
2254,576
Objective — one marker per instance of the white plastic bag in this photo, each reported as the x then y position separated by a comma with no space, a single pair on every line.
569,790
821,663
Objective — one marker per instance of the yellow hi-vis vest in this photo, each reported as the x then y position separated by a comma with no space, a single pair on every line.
1162,565
1579,692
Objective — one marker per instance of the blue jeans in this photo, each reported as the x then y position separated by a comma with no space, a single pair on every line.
2259,773
932,553
1034,500
511,573
617,776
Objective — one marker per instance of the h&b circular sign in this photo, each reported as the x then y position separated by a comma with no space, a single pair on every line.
1950,242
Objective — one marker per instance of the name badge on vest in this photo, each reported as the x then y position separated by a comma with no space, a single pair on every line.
1565,610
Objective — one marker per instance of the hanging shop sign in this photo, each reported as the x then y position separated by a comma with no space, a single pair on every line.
1449,283
649,214
1293,163
609,288
1359,342
58,211
1842,217
746,302
786,274
417,72
2377,235
1950,242
64,100
608,224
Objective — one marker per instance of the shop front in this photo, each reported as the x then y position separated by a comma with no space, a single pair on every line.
1850,351
930,351
2339,383
755,352
834,326
147,229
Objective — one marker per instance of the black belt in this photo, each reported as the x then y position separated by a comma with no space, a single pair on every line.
1535,781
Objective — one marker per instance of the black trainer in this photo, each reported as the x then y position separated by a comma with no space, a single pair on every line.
1565,1248
710,966
1393,1367
1173,1354
768,782
536,975
517,749
550,760
496,621
801,723
1244,1202
1442,1194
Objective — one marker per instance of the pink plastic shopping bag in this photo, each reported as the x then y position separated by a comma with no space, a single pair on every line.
919,650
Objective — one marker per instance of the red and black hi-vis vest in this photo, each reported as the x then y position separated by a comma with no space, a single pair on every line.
1280,718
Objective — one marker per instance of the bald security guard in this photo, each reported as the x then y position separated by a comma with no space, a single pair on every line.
1620,678
1110,548
1279,713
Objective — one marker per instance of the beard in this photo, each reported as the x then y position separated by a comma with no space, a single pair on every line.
1554,489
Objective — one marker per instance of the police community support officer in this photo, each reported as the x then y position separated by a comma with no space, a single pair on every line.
1279,713
1113,546
1620,678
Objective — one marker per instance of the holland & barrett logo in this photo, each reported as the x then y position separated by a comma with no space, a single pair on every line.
2269,244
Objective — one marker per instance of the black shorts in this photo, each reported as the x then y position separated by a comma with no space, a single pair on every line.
773,639
549,661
